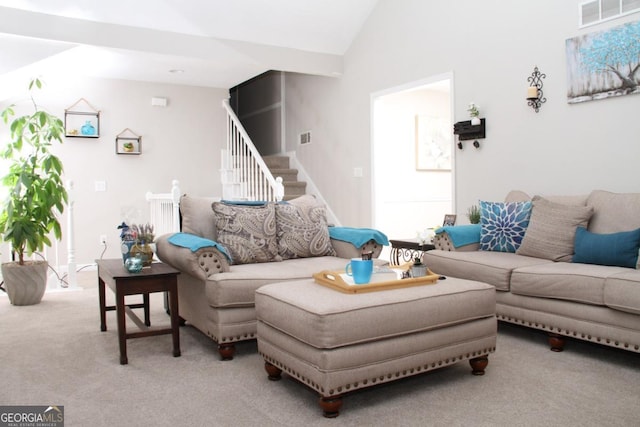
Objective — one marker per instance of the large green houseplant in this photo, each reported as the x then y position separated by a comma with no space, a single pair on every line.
37,196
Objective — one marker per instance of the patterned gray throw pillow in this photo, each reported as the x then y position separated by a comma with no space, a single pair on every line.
247,232
302,231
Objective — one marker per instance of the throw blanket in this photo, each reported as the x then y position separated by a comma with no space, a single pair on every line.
194,243
461,235
358,236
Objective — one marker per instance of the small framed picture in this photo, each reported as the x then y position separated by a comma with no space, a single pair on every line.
449,219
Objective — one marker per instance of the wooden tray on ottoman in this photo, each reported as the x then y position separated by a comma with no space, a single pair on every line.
338,280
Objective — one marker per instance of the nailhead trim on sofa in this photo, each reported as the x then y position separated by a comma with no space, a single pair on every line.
568,333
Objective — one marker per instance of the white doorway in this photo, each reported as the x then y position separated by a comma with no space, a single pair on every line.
413,157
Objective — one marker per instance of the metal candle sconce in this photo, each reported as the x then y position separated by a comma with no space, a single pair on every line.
535,96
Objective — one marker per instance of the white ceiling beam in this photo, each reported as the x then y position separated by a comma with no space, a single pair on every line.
71,30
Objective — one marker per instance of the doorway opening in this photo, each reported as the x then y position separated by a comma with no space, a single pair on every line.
413,157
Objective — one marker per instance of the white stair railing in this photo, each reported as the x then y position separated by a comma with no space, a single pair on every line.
164,210
245,176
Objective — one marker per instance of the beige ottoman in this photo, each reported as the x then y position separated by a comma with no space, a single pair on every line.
337,343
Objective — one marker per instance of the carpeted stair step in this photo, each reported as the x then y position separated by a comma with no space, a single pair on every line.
293,189
286,174
276,162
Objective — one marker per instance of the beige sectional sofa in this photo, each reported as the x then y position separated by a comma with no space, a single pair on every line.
216,295
555,280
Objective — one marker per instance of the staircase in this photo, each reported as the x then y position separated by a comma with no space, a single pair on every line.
279,167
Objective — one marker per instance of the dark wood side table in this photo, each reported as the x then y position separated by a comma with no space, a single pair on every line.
158,278
406,250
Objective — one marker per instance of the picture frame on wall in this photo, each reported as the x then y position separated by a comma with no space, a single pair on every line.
433,143
603,64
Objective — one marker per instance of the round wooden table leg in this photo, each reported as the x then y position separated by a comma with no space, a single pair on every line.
330,406
556,342
274,373
227,351
478,365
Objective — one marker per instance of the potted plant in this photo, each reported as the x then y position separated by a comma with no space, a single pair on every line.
473,213
474,113
37,196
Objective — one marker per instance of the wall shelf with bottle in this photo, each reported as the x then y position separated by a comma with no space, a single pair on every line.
82,120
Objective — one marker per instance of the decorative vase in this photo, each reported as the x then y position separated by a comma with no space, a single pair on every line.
475,121
144,252
88,129
418,269
133,264
26,283
125,248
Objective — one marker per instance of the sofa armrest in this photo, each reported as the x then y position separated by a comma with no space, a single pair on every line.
201,264
443,242
347,250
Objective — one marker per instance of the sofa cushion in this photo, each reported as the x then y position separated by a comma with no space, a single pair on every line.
614,212
324,318
619,249
302,231
197,216
236,288
622,292
503,225
493,268
573,200
562,280
552,229
247,232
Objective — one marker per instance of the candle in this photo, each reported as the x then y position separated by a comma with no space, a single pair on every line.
532,92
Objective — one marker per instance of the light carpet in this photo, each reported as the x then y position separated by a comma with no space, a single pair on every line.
53,353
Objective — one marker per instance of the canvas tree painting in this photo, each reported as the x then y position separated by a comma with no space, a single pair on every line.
604,64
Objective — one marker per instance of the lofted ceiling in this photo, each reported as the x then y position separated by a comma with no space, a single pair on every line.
214,43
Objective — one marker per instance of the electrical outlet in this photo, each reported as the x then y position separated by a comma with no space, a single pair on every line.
103,239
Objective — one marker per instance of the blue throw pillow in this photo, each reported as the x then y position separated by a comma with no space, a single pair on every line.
503,225
619,249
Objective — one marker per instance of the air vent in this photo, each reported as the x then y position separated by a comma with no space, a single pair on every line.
305,137
596,11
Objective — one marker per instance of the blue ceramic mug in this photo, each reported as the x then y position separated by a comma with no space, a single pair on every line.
360,270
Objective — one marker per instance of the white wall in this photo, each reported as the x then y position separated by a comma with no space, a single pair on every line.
491,47
181,141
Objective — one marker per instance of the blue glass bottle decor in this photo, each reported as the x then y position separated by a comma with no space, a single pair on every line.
134,264
88,129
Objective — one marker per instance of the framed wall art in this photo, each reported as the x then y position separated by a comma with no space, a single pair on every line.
433,143
603,64
82,120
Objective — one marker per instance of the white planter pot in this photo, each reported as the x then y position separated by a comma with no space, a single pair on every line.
25,284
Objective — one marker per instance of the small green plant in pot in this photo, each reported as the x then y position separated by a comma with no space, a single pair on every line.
37,196
473,213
